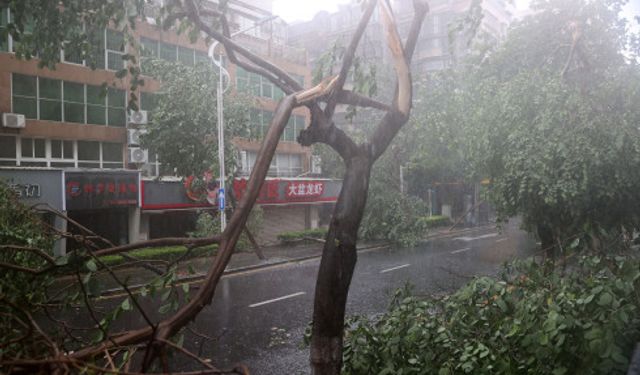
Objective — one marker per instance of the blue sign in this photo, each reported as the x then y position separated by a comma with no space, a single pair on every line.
221,199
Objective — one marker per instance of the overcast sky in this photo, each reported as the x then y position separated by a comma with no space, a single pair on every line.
292,10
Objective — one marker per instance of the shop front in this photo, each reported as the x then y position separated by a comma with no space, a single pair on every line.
171,208
105,202
35,187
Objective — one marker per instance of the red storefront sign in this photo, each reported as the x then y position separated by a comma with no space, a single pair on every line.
304,189
283,191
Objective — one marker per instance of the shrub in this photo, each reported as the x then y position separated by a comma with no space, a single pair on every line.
434,221
288,237
528,321
20,292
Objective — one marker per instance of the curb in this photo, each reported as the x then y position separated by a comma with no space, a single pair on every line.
233,271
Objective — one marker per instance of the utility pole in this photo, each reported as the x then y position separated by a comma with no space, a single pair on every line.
222,73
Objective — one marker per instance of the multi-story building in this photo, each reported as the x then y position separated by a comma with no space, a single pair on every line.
77,148
434,51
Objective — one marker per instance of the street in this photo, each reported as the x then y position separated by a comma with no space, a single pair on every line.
259,317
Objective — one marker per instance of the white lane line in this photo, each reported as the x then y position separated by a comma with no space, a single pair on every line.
468,239
277,299
395,268
501,240
461,250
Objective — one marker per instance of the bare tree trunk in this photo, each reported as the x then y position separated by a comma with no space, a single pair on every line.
336,268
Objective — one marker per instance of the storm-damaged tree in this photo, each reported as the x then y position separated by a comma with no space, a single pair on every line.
72,23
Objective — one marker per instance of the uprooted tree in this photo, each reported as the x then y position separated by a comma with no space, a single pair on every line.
60,26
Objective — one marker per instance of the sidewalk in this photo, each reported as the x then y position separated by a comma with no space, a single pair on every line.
195,269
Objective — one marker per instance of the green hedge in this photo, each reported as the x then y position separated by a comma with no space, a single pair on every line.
434,221
167,253
288,237
528,321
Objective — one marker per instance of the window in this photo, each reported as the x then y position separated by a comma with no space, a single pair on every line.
186,55
256,85
282,164
203,57
112,155
148,101
61,149
114,50
117,112
55,100
62,154
88,154
294,126
168,52
4,20
259,122
289,165
50,99
25,93
7,151
74,105
33,148
96,105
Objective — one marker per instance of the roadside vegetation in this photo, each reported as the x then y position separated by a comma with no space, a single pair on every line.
532,319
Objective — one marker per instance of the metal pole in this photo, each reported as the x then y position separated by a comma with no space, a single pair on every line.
222,72
223,217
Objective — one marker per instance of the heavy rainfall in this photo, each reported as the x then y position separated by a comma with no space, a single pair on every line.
340,187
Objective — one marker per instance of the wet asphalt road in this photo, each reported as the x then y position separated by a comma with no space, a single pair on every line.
260,317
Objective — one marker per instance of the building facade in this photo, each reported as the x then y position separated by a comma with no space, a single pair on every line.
89,139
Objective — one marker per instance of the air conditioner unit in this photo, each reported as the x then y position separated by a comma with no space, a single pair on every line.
138,155
138,117
13,120
133,136
316,164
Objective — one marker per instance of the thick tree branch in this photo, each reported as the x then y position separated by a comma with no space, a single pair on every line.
393,121
268,70
359,100
347,60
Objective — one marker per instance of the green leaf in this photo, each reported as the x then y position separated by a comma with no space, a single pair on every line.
91,265
126,305
605,299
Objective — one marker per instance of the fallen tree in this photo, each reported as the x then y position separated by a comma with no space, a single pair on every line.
339,254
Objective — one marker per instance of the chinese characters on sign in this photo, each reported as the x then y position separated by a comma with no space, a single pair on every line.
26,190
101,190
284,191
304,189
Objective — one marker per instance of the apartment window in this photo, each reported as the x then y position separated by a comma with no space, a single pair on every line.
88,154
33,152
7,150
74,103
117,111
25,95
203,58
4,20
289,165
112,155
294,126
148,101
186,55
50,99
96,105
282,164
62,154
168,52
114,49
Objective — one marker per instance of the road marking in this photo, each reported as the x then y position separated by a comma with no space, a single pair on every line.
468,239
277,299
501,240
461,250
395,268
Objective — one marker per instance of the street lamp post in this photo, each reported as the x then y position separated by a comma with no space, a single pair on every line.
222,73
